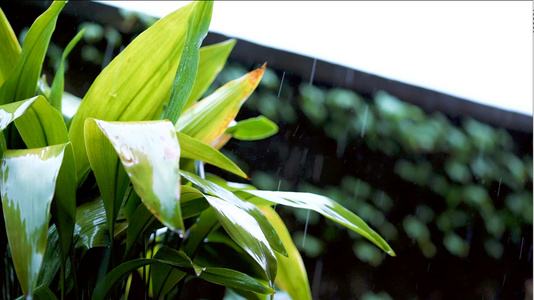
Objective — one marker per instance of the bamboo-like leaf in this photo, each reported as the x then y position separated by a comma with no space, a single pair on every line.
245,224
10,50
209,118
56,91
211,62
22,81
195,149
192,201
28,180
150,155
292,276
90,229
134,86
326,207
253,129
10,112
197,28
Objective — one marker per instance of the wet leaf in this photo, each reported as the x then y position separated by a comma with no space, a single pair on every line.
129,88
10,112
22,81
90,229
253,129
209,118
245,223
150,155
292,276
326,207
211,62
197,29
56,91
26,204
195,149
10,49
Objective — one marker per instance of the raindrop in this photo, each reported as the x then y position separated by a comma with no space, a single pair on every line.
316,284
499,188
428,268
313,71
317,167
364,123
341,145
281,82
305,229
504,279
279,183
521,250
304,156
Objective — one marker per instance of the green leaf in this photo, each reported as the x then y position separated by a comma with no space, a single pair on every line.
292,276
10,112
143,218
56,91
10,49
44,293
129,88
197,28
253,129
211,62
150,155
195,149
26,200
245,224
192,201
326,207
22,81
209,118
90,229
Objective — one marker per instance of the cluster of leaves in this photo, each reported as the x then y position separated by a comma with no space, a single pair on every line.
117,194
475,172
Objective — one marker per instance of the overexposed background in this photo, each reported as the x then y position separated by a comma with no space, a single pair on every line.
477,50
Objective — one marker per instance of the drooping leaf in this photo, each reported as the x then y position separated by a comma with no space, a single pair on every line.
56,91
292,276
195,149
253,129
209,118
10,112
197,28
326,207
211,62
129,88
27,206
10,50
150,155
22,81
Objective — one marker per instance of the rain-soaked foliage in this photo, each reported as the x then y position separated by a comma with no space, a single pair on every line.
453,195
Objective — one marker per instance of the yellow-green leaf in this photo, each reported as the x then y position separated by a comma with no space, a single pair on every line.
209,118
10,112
253,129
195,149
10,50
291,276
150,154
27,184
22,81
134,86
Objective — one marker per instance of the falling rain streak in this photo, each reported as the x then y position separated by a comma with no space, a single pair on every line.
499,188
364,122
313,71
521,250
316,284
305,229
281,82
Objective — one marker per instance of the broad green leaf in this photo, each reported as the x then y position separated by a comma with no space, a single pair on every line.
192,201
109,173
326,207
90,229
46,276
56,91
141,220
10,50
230,186
22,81
134,86
10,112
181,261
197,28
244,223
209,118
196,234
253,129
44,293
195,149
26,200
150,155
212,60
292,276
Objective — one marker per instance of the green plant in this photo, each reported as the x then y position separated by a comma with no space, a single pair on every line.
120,194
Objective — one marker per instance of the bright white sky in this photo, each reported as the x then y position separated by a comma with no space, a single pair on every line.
480,50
